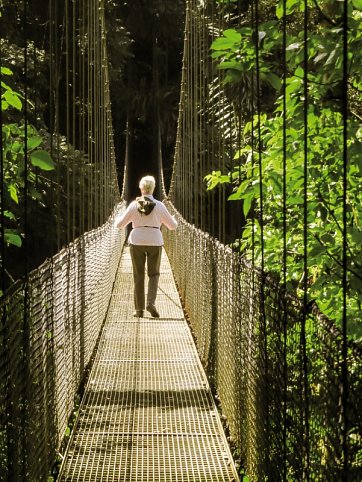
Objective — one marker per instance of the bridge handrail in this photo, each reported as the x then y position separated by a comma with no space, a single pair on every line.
256,367
44,354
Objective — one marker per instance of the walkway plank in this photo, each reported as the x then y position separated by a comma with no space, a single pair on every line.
147,413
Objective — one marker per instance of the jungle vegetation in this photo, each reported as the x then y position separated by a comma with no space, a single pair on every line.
270,159
144,47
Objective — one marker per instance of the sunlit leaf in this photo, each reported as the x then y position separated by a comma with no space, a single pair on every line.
34,142
247,204
12,238
13,191
9,214
232,35
293,46
6,71
13,99
42,159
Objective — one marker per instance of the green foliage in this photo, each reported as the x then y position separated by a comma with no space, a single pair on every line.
235,53
20,144
9,98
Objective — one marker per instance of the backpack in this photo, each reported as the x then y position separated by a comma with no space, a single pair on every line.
145,205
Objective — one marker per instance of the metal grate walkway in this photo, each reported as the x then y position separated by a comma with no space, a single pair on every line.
147,412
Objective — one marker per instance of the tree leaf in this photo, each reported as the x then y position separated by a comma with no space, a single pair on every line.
6,71
299,72
13,191
13,99
233,35
34,142
12,238
274,80
247,203
222,43
293,46
9,214
240,191
42,159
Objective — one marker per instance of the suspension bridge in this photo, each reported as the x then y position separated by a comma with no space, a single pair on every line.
239,378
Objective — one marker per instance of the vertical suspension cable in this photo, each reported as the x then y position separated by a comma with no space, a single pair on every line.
305,249
82,118
75,171
195,113
188,180
284,269
26,157
217,229
104,130
261,222
8,439
51,101
26,327
345,247
67,120
2,198
232,144
185,139
97,114
220,153
202,90
211,133
57,67
253,155
190,109
89,40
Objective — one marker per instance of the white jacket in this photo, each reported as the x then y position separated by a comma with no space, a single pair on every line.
146,228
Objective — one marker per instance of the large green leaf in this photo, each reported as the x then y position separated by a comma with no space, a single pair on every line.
274,80
247,203
12,238
232,35
13,191
9,214
223,43
42,159
34,142
13,99
6,71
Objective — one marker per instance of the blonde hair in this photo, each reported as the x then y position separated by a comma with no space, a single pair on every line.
147,184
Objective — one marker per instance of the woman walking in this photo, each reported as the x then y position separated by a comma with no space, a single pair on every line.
147,215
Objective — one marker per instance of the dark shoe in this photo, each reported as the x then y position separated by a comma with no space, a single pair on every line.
153,311
138,313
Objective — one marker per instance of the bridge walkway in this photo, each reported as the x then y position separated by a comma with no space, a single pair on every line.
147,413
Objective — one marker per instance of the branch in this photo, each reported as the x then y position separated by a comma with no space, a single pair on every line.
330,211
9,275
356,115
353,87
329,20
336,260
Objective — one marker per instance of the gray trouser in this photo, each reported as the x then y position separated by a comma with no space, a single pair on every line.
139,254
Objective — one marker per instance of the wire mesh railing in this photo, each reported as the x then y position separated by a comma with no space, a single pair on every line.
255,363
49,330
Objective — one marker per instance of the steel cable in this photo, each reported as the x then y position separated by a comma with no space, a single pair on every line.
345,374
303,340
